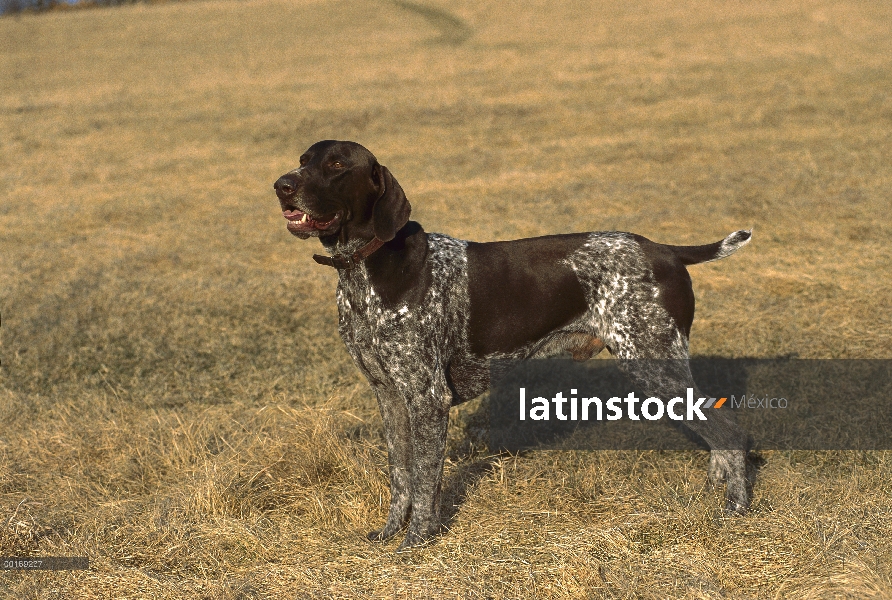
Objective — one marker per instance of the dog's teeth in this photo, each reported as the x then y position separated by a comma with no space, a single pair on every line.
304,219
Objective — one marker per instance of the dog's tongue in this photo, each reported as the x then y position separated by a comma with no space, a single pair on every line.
293,215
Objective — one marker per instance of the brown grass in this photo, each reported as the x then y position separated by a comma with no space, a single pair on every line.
176,403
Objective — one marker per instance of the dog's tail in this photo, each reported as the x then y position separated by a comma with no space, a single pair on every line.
692,255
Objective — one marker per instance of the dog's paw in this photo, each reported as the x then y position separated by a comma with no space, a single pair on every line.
412,543
737,496
734,508
414,540
383,534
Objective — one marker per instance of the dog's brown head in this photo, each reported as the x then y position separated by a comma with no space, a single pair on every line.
341,193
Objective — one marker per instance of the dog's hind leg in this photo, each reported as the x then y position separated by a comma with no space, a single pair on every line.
729,443
395,415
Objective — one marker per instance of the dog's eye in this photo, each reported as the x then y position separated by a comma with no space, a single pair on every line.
303,160
337,165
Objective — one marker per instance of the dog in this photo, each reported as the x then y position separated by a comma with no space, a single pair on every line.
422,315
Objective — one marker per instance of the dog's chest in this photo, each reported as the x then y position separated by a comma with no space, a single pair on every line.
382,338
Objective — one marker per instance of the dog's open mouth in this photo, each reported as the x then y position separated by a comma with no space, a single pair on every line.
302,224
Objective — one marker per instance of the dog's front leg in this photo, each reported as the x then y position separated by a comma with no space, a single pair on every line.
428,420
395,415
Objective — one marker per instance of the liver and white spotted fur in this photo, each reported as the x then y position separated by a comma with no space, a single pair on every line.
417,316
405,352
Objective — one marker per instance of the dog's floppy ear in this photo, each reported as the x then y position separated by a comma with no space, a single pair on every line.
391,209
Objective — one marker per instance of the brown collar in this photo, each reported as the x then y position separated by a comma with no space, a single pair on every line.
352,261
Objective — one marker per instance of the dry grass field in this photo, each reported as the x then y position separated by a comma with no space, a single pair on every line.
176,403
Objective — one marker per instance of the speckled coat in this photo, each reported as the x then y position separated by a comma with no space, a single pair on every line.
423,315
419,360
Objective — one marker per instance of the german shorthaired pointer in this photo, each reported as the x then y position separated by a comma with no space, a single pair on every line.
422,314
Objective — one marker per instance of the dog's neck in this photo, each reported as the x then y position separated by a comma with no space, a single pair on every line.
396,271
341,244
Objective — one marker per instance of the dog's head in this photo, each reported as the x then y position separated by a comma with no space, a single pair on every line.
340,193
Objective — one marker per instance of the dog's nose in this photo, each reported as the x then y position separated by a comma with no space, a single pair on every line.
285,186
